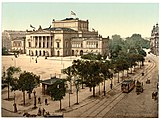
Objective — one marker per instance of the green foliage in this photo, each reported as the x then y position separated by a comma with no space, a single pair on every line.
105,69
91,56
92,72
10,79
132,45
93,77
137,41
4,51
57,90
133,50
142,52
28,81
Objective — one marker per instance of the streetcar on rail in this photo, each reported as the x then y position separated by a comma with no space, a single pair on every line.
127,85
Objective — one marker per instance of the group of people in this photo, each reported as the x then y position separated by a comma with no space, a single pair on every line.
39,101
43,111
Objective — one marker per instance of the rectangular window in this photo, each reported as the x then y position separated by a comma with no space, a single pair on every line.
43,44
39,44
96,45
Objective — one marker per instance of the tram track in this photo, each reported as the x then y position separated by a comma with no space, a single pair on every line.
152,68
99,108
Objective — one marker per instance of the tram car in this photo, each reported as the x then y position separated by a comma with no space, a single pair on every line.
127,85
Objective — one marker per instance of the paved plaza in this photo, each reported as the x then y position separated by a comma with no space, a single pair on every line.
134,105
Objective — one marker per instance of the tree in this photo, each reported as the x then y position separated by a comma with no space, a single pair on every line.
4,51
93,75
10,78
69,72
131,60
27,82
79,68
105,72
137,41
57,91
142,52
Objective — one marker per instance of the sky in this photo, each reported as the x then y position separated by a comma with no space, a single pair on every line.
123,19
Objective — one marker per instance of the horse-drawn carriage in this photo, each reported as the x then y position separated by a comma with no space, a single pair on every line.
148,81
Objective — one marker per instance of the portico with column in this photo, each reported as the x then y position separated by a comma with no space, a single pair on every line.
39,43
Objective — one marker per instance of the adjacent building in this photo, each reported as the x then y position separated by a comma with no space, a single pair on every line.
70,36
14,40
18,44
154,40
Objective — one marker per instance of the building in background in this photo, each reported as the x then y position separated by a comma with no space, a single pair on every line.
66,37
18,44
14,40
154,40
6,40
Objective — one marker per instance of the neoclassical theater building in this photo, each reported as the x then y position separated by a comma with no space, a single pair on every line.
67,37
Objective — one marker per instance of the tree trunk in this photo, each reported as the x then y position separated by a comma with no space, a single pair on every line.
142,63
104,88
90,89
134,68
118,77
99,89
60,104
24,98
131,70
82,83
127,73
8,91
77,97
69,99
29,95
93,91
122,74
71,86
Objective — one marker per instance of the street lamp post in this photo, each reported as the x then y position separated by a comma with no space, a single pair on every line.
69,97
14,104
34,99
104,87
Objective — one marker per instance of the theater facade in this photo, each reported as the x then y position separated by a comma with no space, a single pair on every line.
67,37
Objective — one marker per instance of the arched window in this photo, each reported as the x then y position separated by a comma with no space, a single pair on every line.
81,52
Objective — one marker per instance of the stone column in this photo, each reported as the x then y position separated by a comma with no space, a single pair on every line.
46,42
37,41
42,39
49,41
34,41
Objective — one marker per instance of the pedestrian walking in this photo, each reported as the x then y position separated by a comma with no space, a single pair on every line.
36,60
39,100
46,101
39,112
43,111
